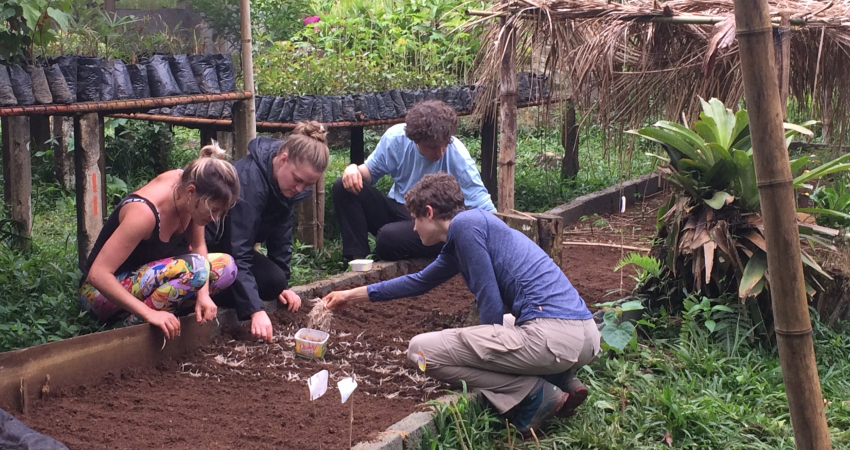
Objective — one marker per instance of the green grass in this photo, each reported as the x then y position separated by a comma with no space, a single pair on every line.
692,391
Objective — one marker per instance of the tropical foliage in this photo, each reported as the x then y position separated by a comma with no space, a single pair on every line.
369,47
712,227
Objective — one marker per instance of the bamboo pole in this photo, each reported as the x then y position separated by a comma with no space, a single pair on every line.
245,121
508,114
773,173
682,19
140,104
20,173
782,52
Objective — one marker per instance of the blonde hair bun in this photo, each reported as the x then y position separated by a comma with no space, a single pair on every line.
312,129
213,151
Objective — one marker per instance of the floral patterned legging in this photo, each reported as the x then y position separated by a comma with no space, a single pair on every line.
168,284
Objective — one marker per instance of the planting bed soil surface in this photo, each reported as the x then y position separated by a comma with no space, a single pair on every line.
590,267
241,393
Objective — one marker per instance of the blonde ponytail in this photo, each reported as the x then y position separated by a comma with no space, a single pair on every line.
212,150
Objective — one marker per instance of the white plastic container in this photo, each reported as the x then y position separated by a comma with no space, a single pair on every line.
311,343
360,265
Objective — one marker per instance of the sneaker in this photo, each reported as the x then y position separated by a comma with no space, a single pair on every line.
544,401
567,382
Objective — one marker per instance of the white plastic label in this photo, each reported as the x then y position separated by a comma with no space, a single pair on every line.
623,204
346,386
318,384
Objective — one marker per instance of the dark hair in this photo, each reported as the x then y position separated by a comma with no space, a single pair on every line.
307,143
438,190
431,120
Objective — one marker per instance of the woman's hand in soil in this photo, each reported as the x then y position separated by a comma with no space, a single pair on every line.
205,308
343,299
290,299
165,321
261,326
352,179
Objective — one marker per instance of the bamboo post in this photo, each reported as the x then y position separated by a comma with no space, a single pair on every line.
63,158
20,172
225,141
773,173
782,51
88,160
207,135
244,116
489,156
7,158
306,212
569,140
550,229
508,114
357,150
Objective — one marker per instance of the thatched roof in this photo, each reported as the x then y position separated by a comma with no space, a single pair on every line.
635,60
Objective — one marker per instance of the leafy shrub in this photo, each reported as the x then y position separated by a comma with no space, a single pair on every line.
369,48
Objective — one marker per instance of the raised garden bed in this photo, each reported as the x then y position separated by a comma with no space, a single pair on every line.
238,393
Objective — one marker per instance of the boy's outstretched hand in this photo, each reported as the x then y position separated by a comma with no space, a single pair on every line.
343,299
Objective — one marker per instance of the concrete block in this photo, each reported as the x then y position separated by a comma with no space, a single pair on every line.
412,429
385,441
608,200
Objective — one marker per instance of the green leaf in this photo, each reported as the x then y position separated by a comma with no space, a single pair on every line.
719,200
633,305
825,212
710,324
62,18
807,260
723,308
753,273
798,129
797,164
618,336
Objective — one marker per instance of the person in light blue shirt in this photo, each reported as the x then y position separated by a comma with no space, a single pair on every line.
524,362
424,144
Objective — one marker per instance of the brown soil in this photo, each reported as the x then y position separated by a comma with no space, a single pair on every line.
240,393
590,267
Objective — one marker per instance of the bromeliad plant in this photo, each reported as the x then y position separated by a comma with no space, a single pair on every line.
712,227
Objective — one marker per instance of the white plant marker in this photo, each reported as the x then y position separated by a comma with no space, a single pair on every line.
623,204
318,384
346,387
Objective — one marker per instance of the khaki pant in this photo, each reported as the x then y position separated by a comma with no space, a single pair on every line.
506,361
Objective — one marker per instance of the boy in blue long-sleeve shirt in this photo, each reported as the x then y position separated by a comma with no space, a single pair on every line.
549,332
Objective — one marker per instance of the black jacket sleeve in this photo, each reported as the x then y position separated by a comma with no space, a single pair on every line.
279,245
244,221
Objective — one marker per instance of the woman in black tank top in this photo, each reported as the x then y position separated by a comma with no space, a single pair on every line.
150,260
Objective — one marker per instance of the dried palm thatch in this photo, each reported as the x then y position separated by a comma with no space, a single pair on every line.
636,60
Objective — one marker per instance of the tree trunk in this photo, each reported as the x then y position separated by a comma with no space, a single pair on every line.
20,172
508,123
489,156
63,159
773,172
244,116
88,160
569,140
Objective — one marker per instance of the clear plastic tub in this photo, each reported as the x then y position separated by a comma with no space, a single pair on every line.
311,343
360,265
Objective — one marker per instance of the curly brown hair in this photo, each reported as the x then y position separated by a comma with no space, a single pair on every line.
431,120
440,191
